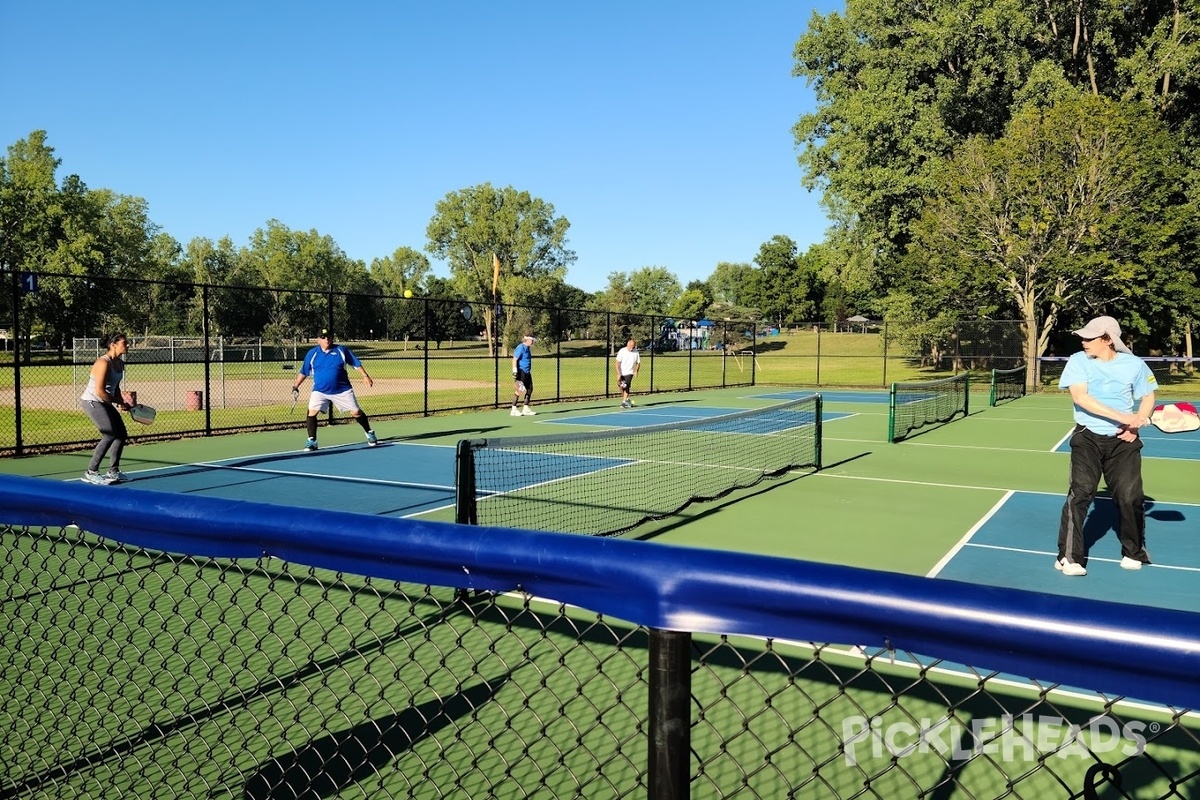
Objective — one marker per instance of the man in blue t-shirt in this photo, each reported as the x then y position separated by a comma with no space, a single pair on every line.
1113,393
522,369
327,363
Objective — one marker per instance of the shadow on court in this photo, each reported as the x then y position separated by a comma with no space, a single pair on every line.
1103,519
332,764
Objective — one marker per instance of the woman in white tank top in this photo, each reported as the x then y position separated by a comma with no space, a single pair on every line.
102,402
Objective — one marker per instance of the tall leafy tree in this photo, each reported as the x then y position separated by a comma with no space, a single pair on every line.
1070,212
300,267
653,290
693,304
87,235
789,286
234,308
404,270
733,283
901,86
898,86
490,236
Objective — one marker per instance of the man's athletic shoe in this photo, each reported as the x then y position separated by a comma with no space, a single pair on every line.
1070,568
310,445
516,412
624,404
116,476
1130,563
91,476
372,439
528,412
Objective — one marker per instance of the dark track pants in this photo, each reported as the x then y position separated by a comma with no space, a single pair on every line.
1120,464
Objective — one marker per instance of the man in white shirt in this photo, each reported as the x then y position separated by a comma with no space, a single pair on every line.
629,361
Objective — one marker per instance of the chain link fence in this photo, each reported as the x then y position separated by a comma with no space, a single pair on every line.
128,670
214,359
219,359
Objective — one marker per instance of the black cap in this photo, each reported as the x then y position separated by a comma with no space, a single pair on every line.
324,334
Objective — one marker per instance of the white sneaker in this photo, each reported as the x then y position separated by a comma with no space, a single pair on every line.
1070,568
516,412
528,412
1130,563
94,477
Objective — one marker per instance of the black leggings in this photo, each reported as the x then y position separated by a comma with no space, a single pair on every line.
113,434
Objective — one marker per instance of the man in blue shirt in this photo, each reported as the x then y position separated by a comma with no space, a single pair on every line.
522,369
1113,393
327,364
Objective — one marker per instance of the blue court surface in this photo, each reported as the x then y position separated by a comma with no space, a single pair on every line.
831,397
1016,544
658,415
394,479
648,415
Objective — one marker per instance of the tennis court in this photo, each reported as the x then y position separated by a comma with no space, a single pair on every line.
976,500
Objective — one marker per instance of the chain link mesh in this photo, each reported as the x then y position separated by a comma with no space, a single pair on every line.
134,673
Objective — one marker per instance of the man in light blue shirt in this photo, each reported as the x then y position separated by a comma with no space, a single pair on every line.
1113,393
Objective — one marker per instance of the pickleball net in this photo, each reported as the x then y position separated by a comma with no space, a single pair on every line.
1007,384
914,405
605,483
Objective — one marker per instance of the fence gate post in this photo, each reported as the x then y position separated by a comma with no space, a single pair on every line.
670,715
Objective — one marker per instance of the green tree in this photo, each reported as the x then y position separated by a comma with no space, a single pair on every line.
301,268
403,270
900,87
652,290
789,287
733,283
482,231
693,304
234,309
1071,211
88,236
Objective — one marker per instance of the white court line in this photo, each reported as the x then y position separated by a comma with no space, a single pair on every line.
1051,554
948,446
824,474
933,573
1061,441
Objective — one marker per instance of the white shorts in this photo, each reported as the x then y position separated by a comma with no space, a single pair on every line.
344,401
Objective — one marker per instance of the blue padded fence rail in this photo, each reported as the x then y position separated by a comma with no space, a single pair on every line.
1148,654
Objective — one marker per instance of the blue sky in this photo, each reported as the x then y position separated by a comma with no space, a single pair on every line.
661,131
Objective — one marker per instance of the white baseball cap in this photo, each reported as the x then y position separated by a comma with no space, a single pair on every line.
1101,326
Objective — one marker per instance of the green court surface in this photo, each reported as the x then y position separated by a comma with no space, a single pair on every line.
898,507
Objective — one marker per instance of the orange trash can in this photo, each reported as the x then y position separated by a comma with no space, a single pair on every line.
195,401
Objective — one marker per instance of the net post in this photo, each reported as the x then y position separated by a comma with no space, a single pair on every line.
892,414
464,484
992,393
819,431
669,734
967,396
